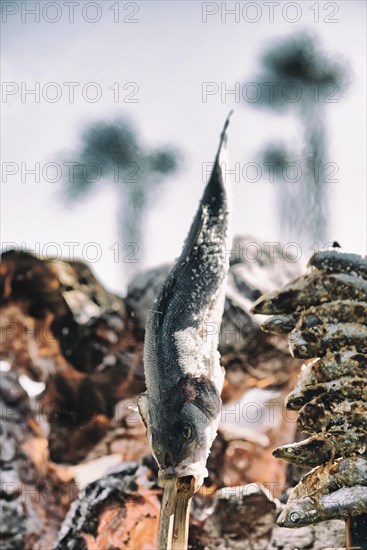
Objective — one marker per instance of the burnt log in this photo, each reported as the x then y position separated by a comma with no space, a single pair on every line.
60,326
119,510
35,494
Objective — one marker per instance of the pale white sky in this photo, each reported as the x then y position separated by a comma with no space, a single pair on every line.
168,53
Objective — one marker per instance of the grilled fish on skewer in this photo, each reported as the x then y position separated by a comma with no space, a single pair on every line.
318,340
181,407
323,413
184,378
340,504
303,394
322,447
325,315
341,262
311,290
293,297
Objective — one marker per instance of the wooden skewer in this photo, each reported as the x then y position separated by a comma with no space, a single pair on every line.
165,528
180,535
173,529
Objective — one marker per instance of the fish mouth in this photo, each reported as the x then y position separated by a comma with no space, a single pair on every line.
196,470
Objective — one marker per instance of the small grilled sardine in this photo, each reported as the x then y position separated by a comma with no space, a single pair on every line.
318,340
329,412
340,311
303,394
329,477
322,447
333,261
331,367
311,290
348,501
346,287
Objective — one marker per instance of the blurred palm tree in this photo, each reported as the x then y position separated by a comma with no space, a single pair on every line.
306,79
111,151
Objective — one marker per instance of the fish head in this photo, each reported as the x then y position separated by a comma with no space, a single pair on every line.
297,514
275,302
307,453
293,453
182,427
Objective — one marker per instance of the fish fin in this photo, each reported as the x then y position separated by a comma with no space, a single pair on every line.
199,391
143,406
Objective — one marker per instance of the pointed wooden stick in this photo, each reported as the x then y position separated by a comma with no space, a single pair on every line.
165,528
180,535
173,529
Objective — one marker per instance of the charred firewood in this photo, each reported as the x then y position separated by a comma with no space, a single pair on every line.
60,326
120,510
35,494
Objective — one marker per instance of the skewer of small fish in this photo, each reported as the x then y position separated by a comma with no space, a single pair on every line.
324,314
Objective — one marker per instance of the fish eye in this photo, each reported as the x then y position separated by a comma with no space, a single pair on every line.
295,517
187,431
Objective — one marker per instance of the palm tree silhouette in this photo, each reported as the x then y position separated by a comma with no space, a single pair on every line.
112,151
306,79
